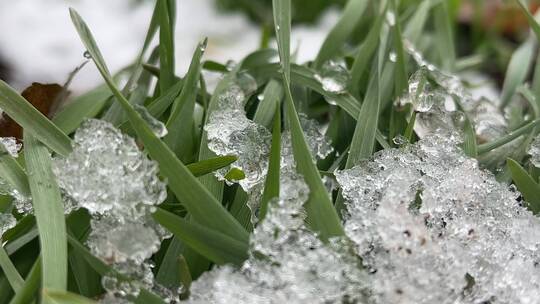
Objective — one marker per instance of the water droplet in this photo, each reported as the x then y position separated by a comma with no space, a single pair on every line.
400,140
230,65
392,56
87,55
333,77
157,126
391,18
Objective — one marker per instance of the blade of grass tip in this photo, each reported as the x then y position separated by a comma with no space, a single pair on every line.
88,105
11,273
484,148
444,35
20,110
13,173
525,184
353,11
31,285
212,244
532,20
49,213
199,202
185,277
517,71
166,45
365,53
180,123
321,215
168,274
206,166
64,297
271,185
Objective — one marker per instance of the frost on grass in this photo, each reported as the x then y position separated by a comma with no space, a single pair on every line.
333,77
11,145
108,175
230,132
442,103
534,152
430,226
7,221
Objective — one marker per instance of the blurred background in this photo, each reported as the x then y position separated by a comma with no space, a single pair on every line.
39,44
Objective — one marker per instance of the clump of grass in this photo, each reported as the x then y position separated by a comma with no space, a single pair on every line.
44,257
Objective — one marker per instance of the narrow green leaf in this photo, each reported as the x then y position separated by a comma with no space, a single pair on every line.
11,273
400,73
444,36
166,45
49,213
235,174
20,110
13,173
321,215
64,297
484,148
517,70
531,19
206,166
31,285
85,106
525,184
272,95
214,245
180,123
353,11
271,185
413,30
199,202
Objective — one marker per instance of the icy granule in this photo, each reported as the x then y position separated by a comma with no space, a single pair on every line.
287,264
7,221
534,152
156,126
119,186
442,104
424,218
11,145
107,173
333,77
230,132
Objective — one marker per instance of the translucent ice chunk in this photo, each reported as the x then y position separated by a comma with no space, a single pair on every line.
107,173
534,152
7,221
157,126
333,76
10,145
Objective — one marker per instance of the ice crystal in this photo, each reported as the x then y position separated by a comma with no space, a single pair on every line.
107,173
534,152
7,221
158,128
10,145
333,77
430,226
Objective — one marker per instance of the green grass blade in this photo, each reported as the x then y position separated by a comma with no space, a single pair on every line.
49,213
271,185
13,173
64,297
321,214
31,285
180,123
272,95
20,110
166,45
444,36
11,273
353,11
168,273
206,166
85,106
530,19
199,202
517,71
525,184
413,30
400,73
212,244
484,148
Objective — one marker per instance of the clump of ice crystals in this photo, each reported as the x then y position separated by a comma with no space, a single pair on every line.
10,145
229,131
109,176
430,226
107,173
534,152
333,77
